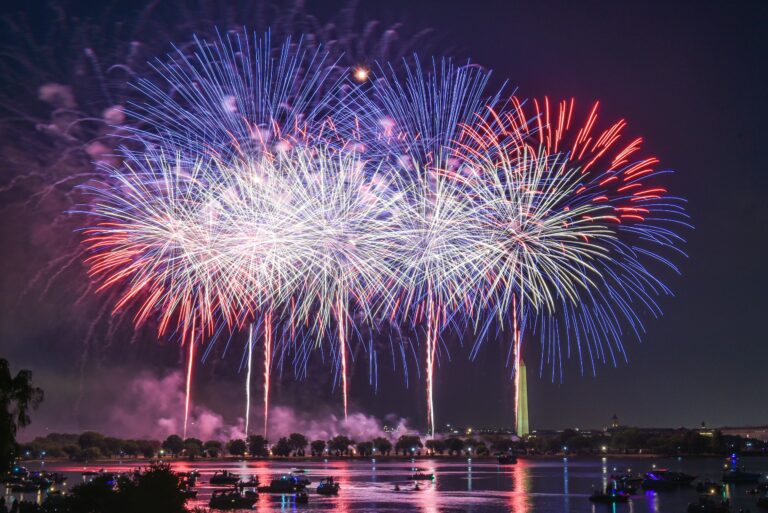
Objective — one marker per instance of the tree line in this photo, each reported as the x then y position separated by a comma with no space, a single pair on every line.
91,445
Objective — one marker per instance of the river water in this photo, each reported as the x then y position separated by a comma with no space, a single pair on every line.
542,485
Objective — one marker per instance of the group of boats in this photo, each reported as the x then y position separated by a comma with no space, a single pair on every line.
21,480
622,486
243,494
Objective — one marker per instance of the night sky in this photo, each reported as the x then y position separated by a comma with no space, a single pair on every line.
689,77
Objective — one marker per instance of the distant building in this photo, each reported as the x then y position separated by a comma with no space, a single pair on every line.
753,432
522,408
614,421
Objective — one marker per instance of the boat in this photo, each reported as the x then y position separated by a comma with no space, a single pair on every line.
224,478
189,493
739,475
328,486
301,498
626,478
680,478
611,496
301,481
285,484
709,487
625,487
421,476
506,459
17,473
666,480
25,487
190,476
224,499
253,482
707,504
57,478
658,485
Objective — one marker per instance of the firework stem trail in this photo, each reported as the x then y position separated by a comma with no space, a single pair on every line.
248,380
189,377
517,340
343,351
431,353
267,365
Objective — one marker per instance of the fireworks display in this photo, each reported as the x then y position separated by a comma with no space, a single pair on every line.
268,189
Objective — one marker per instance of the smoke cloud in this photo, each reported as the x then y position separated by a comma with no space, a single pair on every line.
152,406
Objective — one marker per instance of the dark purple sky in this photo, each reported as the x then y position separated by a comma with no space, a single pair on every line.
689,77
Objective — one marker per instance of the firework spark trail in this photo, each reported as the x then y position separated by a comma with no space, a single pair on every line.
188,387
432,334
267,365
248,380
342,322
237,97
517,342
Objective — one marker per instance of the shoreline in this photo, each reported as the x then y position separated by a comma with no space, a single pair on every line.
298,459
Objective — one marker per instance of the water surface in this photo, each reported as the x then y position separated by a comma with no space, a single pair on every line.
472,486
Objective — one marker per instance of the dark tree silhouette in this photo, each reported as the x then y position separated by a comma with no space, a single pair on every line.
382,445
298,443
258,446
318,447
17,397
173,445
237,447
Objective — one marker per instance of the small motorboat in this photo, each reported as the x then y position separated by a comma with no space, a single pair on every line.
625,487
710,487
610,496
16,474
421,476
506,458
739,475
224,478
680,478
25,487
57,478
188,493
253,482
627,478
666,480
285,484
223,499
301,481
193,474
328,486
